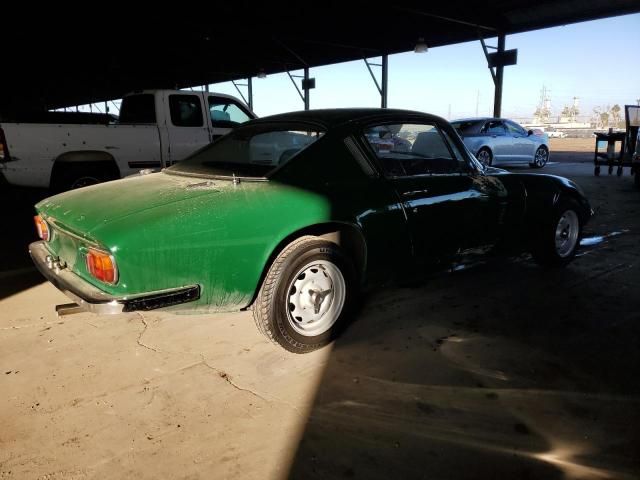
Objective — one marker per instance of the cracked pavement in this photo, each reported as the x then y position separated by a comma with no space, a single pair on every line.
150,395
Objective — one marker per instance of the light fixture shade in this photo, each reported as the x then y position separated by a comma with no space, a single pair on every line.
261,73
421,46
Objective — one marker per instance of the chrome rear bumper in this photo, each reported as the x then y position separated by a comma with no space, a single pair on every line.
92,299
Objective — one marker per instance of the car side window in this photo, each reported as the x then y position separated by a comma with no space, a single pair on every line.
494,127
515,129
413,149
226,113
185,110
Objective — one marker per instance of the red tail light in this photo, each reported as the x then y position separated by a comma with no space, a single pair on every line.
102,266
4,149
42,227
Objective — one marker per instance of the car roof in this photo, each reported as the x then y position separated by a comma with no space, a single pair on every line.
475,119
481,119
337,116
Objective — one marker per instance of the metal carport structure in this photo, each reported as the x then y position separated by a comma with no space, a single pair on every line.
56,61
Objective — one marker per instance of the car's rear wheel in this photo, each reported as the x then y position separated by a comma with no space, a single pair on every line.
485,156
540,158
306,295
557,240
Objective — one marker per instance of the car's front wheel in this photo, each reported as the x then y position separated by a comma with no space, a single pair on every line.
540,158
306,295
557,240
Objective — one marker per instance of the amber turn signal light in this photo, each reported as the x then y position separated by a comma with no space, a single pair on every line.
42,227
102,266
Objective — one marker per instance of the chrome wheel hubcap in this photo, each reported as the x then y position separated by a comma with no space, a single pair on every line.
541,157
484,157
567,231
316,297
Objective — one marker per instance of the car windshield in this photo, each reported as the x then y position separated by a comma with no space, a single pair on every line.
251,151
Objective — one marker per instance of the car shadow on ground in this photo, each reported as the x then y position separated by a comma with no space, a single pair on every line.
17,272
505,370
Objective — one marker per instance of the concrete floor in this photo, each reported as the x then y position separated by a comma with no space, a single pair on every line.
503,370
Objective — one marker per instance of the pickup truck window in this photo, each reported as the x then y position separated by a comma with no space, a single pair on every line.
138,109
185,110
249,151
226,113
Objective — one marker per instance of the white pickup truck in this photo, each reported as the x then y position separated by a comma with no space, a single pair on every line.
155,129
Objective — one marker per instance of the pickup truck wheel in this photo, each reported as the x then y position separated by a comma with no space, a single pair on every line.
557,239
306,296
72,176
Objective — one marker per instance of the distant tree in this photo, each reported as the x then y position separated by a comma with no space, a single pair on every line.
615,115
604,119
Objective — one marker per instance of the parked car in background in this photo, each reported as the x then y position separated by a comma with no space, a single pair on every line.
556,134
300,237
155,129
498,141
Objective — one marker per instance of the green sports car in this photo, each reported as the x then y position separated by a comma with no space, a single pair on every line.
294,215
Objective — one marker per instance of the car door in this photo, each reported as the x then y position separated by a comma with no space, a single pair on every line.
187,128
448,204
226,114
497,139
523,145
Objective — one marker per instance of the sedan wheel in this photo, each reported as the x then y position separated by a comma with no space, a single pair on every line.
485,157
557,240
306,295
541,157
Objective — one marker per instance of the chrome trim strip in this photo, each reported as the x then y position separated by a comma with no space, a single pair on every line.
92,299
52,221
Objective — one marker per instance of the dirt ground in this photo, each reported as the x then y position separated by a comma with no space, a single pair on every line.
503,370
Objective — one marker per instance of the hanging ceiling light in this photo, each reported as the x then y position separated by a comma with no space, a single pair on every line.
421,46
261,73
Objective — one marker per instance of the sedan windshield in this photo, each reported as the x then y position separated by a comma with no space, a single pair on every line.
252,151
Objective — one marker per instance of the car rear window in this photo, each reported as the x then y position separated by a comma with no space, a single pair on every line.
466,127
250,151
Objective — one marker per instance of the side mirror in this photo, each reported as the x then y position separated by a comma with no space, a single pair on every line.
530,132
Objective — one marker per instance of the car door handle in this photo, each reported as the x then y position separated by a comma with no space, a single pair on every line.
414,193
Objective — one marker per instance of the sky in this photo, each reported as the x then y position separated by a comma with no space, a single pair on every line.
597,61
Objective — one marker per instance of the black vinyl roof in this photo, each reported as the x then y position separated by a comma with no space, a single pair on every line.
51,59
332,117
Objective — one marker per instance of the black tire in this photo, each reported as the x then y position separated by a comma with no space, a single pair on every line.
78,175
485,156
545,250
541,157
273,310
